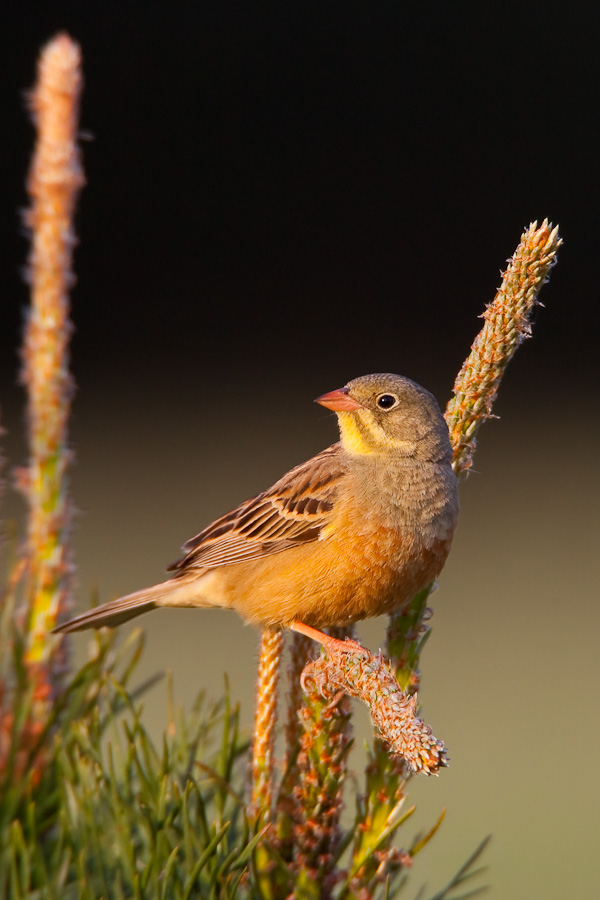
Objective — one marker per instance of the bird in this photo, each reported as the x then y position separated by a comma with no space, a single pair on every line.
354,532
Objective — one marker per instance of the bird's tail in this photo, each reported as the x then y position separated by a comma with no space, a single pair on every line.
118,611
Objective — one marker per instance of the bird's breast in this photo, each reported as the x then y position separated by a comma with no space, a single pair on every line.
372,560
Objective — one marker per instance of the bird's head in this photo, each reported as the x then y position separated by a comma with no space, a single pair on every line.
388,414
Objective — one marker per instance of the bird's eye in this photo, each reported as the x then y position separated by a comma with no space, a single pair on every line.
386,401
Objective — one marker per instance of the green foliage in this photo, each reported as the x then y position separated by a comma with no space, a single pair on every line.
102,812
91,808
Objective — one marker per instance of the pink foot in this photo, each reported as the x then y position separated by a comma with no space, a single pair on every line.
330,643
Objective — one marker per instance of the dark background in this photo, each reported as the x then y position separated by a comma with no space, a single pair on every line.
314,190
282,197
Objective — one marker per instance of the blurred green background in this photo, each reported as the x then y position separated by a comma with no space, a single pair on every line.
281,199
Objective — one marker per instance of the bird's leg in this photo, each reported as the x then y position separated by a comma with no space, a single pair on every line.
330,643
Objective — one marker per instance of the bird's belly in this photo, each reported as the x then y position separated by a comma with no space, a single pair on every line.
336,581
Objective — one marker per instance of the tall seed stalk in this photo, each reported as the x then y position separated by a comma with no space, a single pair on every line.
507,323
55,179
265,718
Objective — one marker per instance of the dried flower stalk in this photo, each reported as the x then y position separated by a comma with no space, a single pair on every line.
374,858
55,179
318,793
371,679
391,696
507,324
302,649
407,634
271,645
380,813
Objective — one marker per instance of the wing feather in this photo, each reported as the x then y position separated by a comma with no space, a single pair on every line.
290,513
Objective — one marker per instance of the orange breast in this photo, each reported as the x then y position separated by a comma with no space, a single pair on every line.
360,570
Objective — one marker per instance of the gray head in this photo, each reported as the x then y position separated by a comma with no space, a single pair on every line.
391,415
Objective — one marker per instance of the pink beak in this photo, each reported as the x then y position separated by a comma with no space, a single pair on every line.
339,401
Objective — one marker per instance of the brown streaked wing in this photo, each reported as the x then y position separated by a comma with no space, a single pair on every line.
290,513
